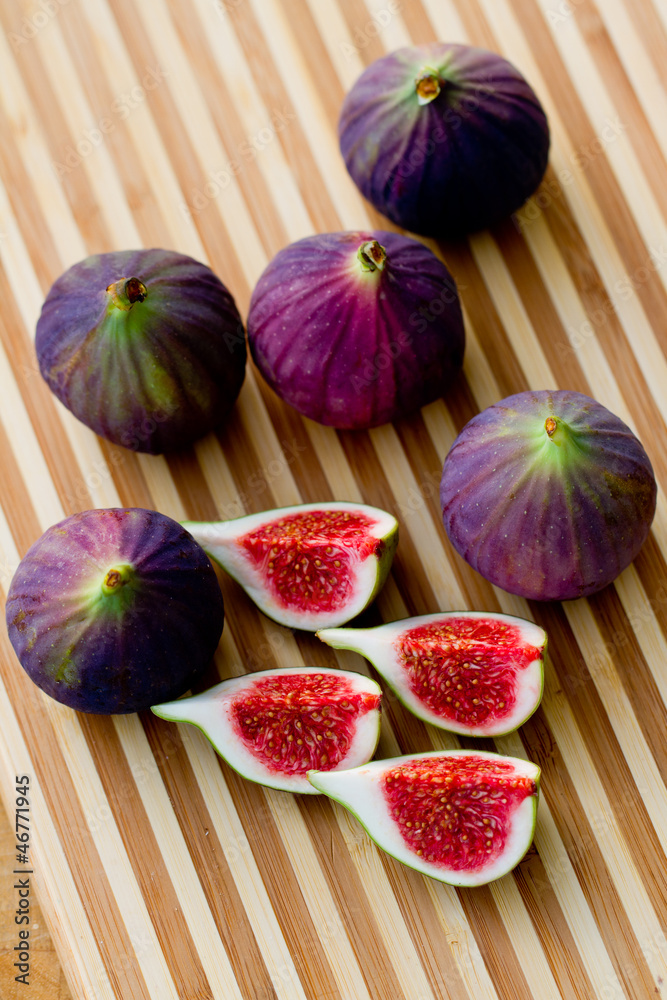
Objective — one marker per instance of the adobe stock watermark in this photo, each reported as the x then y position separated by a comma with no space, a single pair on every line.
552,188
223,7
32,25
419,321
624,288
260,481
121,109
247,151
365,33
144,770
563,11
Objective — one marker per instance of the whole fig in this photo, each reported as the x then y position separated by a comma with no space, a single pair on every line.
548,495
444,139
356,329
111,611
146,347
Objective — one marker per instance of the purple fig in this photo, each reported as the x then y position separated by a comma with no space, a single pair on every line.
444,139
356,329
111,611
146,347
548,495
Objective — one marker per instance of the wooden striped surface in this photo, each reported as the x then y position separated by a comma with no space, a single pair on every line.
161,873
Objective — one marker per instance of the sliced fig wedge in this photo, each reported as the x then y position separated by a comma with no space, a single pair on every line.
469,672
274,726
310,566
463,817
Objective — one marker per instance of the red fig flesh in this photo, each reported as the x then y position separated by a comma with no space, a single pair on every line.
461,816
309,566
275,725
475,673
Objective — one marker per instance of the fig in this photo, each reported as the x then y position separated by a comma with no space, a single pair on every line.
145,347
356,329
113,610
444,139
463,817
470,672
309,566
273,726
548,495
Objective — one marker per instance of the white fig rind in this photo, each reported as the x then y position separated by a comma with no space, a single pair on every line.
360,791
211,710
378,645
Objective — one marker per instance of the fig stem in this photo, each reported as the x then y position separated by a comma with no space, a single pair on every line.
126,292
427,85
116,578
372,256
550,425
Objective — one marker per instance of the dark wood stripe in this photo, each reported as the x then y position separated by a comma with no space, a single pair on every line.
415,590
350,897
209,858
148,865
16,503
494,942
114,109
651,32
293,139
622,226
580,838
553,931
630,110
29,219
190,174
72,828
70,485
290,908
652,569
77,189
124,468
228,123
621,646
425,930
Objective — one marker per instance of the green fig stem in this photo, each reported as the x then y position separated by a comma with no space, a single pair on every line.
126,292
116,578
558,432
427,85
372,256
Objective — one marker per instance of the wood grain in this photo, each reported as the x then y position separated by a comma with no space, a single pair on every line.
160,872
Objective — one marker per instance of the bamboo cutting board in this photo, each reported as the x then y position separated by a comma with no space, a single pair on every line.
210,127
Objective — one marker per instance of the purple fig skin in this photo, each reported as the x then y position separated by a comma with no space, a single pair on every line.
111,611
352,347
153,374
462,161
548,495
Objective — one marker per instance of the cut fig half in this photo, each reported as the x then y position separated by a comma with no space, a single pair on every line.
274,726
460,816
469,672
310,566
